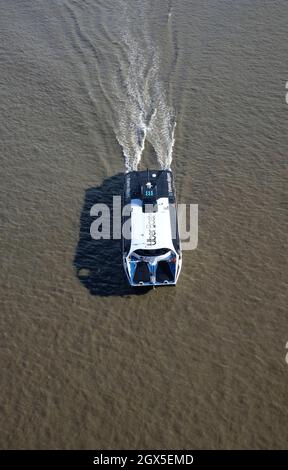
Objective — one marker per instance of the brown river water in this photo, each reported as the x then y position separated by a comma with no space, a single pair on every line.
86,362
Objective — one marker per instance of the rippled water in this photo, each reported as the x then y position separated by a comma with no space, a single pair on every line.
88,90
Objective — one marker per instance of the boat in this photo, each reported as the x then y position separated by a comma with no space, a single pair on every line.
150,236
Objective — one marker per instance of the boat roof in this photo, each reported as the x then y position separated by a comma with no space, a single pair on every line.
153,210
151,230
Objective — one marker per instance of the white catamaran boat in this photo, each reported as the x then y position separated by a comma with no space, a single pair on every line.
151,251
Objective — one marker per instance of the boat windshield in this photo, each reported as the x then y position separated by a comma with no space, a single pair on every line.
158,252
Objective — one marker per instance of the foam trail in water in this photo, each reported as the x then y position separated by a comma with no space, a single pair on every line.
143,111
131,128
161,135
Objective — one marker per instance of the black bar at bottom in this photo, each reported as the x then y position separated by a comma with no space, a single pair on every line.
127,459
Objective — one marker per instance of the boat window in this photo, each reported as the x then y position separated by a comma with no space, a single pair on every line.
158,252
149,208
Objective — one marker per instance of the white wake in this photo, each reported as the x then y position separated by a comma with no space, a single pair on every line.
143,111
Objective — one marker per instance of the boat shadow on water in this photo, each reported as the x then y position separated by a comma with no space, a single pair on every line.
98,263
